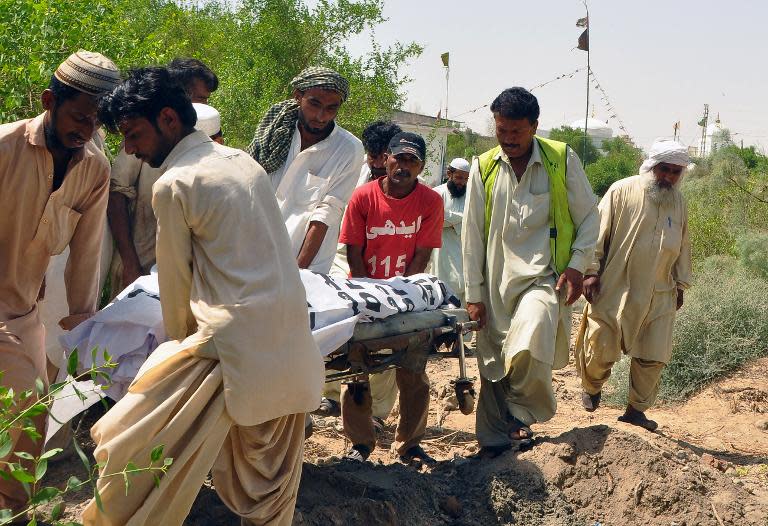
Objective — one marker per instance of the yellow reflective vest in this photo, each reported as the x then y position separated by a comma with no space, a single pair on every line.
554,157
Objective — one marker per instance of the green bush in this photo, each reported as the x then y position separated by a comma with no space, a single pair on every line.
752,249
575,138
255,47
722,325
622,159
725,201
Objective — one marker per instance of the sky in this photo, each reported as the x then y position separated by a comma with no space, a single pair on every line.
659,62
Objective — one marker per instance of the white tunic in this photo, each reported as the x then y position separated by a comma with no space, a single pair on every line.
446,260
315,185
513,276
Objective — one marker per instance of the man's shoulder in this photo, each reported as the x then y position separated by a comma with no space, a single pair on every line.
442,190
428,194
12,133
365,191
349,143
625,183
11,130
209,162
97,158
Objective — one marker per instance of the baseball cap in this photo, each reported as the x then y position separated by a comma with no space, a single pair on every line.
407,142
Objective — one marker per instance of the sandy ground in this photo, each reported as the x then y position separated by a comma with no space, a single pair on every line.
707,464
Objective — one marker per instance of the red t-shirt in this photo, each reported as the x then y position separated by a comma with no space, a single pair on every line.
391,229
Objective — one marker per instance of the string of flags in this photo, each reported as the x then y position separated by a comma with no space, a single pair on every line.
559,77
612,113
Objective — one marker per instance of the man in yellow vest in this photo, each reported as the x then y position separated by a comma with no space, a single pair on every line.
530,228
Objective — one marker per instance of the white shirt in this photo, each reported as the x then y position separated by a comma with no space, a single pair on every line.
315,185
447,264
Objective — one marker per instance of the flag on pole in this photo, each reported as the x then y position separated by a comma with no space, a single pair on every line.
444,57
584,37
584,41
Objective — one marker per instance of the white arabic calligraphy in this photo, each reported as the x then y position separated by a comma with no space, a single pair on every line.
389,229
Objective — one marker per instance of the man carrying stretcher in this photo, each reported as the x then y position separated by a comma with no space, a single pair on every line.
390,228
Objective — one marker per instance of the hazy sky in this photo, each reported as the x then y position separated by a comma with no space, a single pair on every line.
658,61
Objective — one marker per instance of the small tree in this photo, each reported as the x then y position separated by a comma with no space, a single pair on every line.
467,144
575,139
622,159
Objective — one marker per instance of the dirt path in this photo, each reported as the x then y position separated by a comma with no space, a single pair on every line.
707,464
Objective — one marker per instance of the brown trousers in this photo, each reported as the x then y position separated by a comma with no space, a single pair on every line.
22,361
414,410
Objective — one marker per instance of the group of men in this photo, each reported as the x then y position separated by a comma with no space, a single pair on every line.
514,233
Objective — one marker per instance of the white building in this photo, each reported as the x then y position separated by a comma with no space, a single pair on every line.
597,130
435,133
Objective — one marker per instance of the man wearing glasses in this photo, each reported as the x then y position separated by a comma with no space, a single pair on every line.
644,243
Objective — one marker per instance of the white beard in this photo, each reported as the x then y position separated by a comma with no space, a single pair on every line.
661,197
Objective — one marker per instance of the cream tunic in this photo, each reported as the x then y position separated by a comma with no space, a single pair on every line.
643,256
226,270
446,260
513,276
134,179
315,185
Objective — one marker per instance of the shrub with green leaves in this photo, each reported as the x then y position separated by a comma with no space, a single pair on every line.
752,249
16,413
622,159
255,47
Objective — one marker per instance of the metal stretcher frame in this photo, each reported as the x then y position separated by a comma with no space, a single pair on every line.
405,340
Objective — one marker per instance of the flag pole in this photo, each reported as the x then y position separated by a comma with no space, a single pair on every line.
586,113
446,64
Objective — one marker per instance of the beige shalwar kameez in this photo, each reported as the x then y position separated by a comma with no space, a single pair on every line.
230,393
643,256
528,323
133,178
37,224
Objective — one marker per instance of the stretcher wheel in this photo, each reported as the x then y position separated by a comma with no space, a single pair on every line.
465,395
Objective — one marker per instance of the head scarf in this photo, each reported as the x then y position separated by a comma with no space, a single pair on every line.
272,140
89,72
666,151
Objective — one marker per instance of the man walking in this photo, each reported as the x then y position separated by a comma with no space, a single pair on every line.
390,228
530,226
447,260
313,162
643,245
55,183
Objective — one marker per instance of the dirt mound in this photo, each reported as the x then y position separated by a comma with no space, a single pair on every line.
590,476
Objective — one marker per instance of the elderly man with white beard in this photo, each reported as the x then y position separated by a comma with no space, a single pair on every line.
635,285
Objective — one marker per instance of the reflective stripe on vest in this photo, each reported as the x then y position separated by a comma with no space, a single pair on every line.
554,157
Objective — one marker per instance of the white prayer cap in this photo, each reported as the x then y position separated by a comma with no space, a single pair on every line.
208,119
668,151
460,164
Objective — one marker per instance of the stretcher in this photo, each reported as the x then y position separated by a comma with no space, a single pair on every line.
406,340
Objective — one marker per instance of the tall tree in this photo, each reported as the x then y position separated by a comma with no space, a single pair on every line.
255,47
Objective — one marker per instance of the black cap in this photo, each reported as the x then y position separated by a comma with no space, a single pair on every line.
407,142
